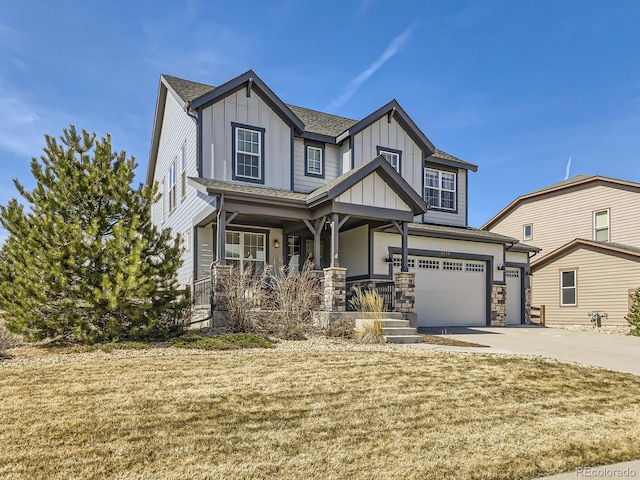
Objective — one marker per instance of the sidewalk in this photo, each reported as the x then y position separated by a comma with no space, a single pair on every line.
618,470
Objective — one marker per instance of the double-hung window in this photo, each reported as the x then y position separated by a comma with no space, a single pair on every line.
392,156
314,159
248,153
527,232
601,226
568,290
172,185
440,189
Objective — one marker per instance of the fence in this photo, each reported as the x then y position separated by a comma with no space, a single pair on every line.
202,292
538,313
386,290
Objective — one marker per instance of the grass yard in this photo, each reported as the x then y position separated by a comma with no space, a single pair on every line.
389,413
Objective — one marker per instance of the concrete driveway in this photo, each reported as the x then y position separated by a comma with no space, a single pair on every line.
615,352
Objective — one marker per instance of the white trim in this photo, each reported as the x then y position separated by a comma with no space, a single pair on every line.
573,287
439,177
524,231
317,161
597,229
256,155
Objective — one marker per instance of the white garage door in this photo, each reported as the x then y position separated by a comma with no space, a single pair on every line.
449,292
514,295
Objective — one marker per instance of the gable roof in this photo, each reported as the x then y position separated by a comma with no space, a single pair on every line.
379,165
578,181
603,247
186,90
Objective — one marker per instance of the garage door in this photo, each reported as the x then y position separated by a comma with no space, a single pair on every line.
514,295
449,292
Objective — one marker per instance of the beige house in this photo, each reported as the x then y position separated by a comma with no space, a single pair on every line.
587,230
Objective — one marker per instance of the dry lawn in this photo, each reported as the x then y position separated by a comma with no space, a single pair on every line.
389,414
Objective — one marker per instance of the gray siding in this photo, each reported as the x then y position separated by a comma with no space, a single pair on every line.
391,135
217,138
178,129
332,166
458,218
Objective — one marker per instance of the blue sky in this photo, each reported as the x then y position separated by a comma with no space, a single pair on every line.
516,87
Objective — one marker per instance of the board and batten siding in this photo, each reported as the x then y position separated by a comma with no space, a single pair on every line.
391,135
563,216
456,218
217,138
375,192
354,251
603,283
306,184
178,130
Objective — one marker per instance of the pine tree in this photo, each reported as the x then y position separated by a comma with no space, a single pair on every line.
84,259
634,313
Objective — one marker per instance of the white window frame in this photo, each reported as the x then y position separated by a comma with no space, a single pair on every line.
573,287
597,229
256,155
524,231
392,157
172,185
440,175
314,162
183,172
242,258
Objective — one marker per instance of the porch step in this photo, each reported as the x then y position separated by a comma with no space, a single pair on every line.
395,331
402,339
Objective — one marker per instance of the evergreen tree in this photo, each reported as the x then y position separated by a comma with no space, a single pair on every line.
84,259
634,313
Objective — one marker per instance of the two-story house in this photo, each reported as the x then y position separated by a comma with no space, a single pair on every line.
587,230
248,180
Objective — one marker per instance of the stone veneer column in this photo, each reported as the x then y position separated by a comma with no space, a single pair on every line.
335,289
405,292
527,305
499,306
220,280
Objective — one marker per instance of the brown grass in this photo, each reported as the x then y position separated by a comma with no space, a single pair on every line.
273,414
450,342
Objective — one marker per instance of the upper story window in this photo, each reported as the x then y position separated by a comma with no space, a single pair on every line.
183,170
601,226
172,185
568,294
314,159
527,232
248,153
440,189
392,156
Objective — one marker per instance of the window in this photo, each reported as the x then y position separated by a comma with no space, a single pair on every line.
440,189
428,264
527,233
172,185
455,266
601,226
568,288
314,159
392,156
474,267
248,147
397,261
245,251
183,170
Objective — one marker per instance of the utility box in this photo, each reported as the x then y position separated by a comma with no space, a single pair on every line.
596,318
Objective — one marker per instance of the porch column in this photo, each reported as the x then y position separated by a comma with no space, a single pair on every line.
405,248
335,289
316,230
221,231
335,234
405,292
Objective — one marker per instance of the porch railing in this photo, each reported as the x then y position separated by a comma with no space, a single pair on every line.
202,292
387,290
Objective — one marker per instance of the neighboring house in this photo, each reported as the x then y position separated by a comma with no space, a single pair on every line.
248,180
587,229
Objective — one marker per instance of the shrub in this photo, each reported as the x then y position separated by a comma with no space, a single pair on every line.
372,303
243,295
293,298
634,313
341,328
231,341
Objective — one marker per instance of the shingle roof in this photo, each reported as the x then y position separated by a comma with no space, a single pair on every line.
248,189
186,89
461,232
314,121
565,183
605,247
322,123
